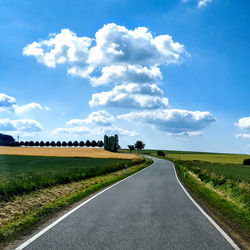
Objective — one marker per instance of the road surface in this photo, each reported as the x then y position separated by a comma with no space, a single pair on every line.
147,211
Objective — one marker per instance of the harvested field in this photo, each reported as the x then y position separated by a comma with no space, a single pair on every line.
65,152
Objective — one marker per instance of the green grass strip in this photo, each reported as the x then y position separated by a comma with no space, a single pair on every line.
8,231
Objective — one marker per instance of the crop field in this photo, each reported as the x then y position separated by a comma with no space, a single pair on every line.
23,174
64,152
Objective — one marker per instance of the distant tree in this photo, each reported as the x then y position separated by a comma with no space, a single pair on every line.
16,144
88,143
26,144
93,143
21,143
31,144
100,144
75,143
246,162
37,143
139,145
131,148
47,143
81,143
160,153
41,144
52,144
58,144
111,143
106,139
116,143
64,144
70,144
11,144
5,139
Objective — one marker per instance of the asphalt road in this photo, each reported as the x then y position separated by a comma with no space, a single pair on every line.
147,211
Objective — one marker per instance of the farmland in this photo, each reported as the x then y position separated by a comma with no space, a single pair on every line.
64,152
23,174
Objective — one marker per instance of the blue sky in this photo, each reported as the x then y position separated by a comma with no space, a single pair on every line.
174,74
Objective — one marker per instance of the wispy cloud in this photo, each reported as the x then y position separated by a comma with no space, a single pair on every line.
203,3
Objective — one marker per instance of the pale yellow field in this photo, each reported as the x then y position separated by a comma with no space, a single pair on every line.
216,158
65,152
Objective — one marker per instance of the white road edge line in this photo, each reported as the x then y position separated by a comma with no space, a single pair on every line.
224,234
26,243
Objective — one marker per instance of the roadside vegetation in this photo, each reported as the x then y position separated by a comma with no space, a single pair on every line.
220,183
24,174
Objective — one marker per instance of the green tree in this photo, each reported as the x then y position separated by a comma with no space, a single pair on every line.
131,148
139,145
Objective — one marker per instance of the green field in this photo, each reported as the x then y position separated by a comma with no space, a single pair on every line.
23,174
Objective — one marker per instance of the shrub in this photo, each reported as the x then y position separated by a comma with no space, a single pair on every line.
160,153
31,144
58,144
246,162
47,143
52,144
75,143
41,143
64,144
81,143
70,144
37,143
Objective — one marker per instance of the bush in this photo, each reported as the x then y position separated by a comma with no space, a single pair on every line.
58,144
75,143
52,144
41,143
81,143
47,143
37,143
64,144
160,153
70,144
246,162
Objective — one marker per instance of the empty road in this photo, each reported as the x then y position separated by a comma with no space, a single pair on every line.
147,211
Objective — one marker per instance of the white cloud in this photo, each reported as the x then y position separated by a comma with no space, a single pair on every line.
64,47
127,74
133,95
114,45
172,121
24,125
244,123
244,136
27,107
203,3
100,118
6,102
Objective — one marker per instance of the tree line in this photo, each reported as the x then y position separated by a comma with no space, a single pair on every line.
111,143
139,145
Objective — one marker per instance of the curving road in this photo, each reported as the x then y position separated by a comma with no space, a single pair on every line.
146,211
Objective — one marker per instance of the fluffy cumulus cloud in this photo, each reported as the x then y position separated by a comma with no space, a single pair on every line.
22,125
113,45
97,123
132,95
6,102
173,121
99,118
244,123
27,107
126,74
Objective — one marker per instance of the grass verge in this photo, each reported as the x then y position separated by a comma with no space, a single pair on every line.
12,228
226,200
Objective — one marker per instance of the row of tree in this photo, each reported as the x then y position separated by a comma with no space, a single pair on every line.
111,143
56,144
139,145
